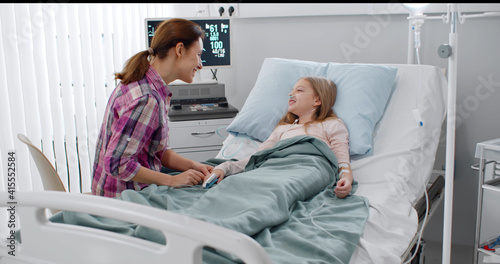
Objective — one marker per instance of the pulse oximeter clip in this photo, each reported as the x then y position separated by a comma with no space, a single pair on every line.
210,181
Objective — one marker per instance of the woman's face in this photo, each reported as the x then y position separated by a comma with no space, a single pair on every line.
302,100
190,62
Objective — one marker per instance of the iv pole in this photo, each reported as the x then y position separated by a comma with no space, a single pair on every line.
416,20
449,51
450,136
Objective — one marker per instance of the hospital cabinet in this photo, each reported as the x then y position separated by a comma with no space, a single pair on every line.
487,226
198,140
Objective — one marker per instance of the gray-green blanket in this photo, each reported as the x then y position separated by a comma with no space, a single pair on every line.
284,200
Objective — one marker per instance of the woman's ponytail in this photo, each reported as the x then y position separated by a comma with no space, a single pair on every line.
135,68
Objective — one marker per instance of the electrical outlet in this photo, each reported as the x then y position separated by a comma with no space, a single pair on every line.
214,10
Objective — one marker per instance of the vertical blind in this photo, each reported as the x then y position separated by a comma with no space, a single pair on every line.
57,65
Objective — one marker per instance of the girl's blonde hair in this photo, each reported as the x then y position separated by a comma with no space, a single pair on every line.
326,90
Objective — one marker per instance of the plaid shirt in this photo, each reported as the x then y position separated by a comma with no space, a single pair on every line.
134,133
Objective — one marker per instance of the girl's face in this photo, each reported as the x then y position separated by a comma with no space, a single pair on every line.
303,101
190,61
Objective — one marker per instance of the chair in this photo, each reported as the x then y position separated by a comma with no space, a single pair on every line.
50,179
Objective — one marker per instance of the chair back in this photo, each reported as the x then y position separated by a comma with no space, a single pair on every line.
50,178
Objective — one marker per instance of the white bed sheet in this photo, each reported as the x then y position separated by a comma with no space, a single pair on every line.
394,174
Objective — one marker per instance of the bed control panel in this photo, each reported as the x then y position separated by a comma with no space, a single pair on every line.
199,101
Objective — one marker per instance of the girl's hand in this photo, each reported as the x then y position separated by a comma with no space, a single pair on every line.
344,187
220,175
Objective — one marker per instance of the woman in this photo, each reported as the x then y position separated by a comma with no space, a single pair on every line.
132,144
309,113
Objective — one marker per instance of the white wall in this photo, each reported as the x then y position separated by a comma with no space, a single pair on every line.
325,38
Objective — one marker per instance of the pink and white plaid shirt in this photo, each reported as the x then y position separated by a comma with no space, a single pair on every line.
134,133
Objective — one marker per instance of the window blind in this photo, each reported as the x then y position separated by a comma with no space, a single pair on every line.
57,65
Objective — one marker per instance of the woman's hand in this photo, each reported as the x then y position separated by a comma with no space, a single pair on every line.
174,161
203,168
189,177
198,173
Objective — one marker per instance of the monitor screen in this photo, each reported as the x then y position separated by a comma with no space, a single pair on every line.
216,46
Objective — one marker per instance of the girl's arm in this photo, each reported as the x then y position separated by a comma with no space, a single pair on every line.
339,141
232,167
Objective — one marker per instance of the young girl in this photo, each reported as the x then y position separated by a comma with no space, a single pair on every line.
132,145
310,113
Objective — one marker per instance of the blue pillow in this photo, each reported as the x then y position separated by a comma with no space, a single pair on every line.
362,93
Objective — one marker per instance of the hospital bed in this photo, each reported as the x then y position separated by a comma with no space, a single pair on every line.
394,114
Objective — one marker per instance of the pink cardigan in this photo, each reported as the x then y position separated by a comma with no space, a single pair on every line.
332,131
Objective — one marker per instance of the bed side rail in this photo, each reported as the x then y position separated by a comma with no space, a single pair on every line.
64,243
433,193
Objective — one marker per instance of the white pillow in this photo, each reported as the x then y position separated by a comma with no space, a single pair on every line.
362,93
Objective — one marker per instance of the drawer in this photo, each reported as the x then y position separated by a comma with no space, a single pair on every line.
197,134
196,155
